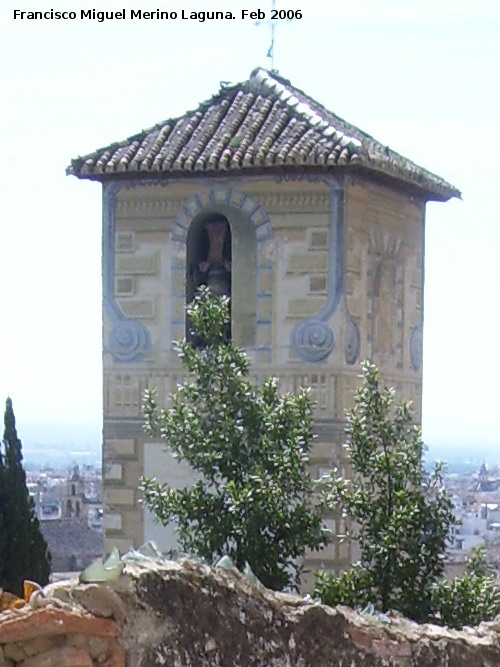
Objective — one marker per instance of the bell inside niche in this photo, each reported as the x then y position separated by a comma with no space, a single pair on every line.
215,270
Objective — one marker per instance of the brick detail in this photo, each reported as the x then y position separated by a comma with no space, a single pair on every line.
45,622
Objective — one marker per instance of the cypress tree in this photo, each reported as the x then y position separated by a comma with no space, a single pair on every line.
2,508
24,550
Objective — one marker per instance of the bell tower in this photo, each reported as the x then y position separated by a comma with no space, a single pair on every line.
312,228
73,501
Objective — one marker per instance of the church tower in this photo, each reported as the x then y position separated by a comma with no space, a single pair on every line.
314,228
73,501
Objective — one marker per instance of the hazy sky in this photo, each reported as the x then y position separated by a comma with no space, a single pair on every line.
423,79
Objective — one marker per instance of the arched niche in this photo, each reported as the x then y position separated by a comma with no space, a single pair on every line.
251,265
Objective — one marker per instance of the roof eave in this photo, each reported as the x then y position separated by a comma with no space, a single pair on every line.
426,189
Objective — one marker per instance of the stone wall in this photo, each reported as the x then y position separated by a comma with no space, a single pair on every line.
55,636
189,615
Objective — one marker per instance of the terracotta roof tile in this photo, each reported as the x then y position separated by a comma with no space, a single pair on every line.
261,124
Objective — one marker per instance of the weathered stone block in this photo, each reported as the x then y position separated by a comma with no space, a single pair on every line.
304,307
307,262
113,471
121,447
264,309
138,308
265,278
116,496
42,644
125,241
124,286
317,284
263,335
15,652
112,521
318,239
65,656
140,264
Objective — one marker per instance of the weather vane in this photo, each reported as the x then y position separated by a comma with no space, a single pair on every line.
272,22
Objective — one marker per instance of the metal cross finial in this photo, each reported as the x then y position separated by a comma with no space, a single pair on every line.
270,51
272,24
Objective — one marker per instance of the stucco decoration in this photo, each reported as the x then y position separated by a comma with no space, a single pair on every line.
351,343
416,343
246,216
387,277
313,338
129,339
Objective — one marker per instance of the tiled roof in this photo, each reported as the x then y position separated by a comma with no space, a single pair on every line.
260,125
66,537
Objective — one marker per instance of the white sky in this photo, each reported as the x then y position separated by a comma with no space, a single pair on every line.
423,79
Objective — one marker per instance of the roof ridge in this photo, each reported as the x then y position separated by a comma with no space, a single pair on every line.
306,107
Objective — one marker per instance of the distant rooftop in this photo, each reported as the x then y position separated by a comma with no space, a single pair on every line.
71,541
263,124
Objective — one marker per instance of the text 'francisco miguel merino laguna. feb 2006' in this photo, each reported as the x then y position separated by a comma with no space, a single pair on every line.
157,14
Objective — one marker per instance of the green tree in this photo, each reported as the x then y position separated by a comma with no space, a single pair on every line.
2,523
24,552
249,445
401,516
469,598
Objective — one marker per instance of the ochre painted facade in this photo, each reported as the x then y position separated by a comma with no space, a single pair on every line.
326,271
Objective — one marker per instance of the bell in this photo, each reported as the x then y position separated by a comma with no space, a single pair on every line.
219,280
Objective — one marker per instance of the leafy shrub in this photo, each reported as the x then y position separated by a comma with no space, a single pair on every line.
468,599
402,517
352,588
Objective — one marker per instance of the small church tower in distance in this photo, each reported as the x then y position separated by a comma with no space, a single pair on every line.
73,501
312,227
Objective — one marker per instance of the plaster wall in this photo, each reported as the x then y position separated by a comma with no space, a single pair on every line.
338,276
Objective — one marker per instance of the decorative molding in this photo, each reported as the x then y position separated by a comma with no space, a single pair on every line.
277,201
293,200
351,341
416,348
387,296
124,391
385,244
143,205
312,338
212,200
129,339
